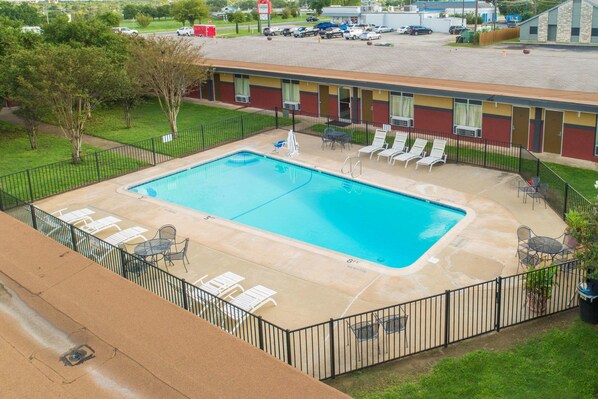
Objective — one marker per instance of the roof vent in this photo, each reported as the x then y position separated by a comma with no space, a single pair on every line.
78,355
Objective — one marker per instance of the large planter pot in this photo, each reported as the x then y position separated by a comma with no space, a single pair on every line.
588,304
536,302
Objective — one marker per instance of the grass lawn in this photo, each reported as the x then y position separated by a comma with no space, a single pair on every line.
51,170
166,25
582,180
559,364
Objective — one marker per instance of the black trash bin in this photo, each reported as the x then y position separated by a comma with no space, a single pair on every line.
588,304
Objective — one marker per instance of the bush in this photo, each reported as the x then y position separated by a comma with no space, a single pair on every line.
143,20
286,13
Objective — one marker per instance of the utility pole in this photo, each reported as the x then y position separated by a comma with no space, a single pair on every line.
463,13
475,22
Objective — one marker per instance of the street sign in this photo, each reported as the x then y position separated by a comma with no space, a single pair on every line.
264,7
264,17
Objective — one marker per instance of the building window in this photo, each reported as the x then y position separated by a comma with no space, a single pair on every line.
241,85
401,104
533,30
574,31
594,32
468,113
290,91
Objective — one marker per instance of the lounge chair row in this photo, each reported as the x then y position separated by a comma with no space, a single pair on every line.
400,152
239,307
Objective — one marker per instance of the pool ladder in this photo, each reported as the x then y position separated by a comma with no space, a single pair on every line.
351,166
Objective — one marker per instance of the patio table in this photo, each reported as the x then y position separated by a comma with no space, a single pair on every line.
152,248
336,136
545,245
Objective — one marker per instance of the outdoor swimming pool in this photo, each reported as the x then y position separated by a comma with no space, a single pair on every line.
356,219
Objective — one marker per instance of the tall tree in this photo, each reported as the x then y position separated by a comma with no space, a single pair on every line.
25,13
168,68
189,10
73,80
238,17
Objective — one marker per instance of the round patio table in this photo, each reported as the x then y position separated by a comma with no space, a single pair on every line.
545,245
336,136
152,248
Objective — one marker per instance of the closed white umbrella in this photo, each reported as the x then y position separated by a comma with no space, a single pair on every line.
292,144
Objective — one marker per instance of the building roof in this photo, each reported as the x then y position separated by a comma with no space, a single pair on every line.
593,3
53,299
443,5
543,74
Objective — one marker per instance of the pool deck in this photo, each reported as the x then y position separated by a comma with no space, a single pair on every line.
314,284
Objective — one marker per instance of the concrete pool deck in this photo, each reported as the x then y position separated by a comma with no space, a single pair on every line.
314,284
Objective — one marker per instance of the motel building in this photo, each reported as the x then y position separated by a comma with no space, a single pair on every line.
543,104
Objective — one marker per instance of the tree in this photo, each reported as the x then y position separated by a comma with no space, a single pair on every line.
216,5
318,5
109,18
143,20
129,11
286,13
163,11
168,68
237,18
27,14
189,10
72,81
18,77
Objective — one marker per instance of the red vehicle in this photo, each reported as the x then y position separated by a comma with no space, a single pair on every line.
204,30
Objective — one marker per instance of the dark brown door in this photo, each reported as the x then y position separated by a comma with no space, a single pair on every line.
553,130
324,100
217,87
520,126
367,106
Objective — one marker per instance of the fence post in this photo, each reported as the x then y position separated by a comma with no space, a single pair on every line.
498,301
123,262
537,167
485,151
33,218
154,150
30,185
203,139
74,238
327,120
185,298
447,316
276,116
242,128
98,166
458,141
409,136
293,120
566,199
367,133
332,362
289,347
1,204
520,156
260,329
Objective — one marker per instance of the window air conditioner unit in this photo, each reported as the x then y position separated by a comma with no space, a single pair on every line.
290,105
467,131
242,99
400,121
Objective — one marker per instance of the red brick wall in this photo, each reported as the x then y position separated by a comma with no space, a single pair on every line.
578,142
496,127
265,97
435,119
309,103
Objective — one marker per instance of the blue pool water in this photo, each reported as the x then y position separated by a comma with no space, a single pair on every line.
328,211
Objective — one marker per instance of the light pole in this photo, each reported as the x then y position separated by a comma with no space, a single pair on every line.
463,13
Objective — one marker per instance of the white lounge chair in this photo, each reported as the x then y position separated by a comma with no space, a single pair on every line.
101,224
416,152
220,286
74,217
126,235
436,155
378,144
247,302
398,146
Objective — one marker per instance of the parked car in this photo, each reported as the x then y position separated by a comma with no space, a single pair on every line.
288,31
419,30
303,31
511,24
312,19
369,36
32,29
331,33
403,30
185,31
456,29
383,29
125,31
352,34
272,31
325,25
364,27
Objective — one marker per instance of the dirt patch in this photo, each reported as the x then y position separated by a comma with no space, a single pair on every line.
376,378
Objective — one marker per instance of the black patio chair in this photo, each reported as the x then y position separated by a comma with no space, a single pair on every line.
327,140
528,187
167,232
527,259
392,324
363,331
169,256
524,233
538,194
347,139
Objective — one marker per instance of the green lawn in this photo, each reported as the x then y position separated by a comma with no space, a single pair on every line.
559,364
51,170
166,25
582,180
